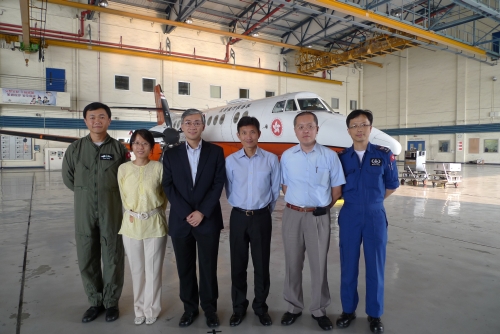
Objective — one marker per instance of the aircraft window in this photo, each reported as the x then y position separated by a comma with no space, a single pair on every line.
311,104
236,117
290,105
209,120
278,107
245,114
216,118
327,106
222,117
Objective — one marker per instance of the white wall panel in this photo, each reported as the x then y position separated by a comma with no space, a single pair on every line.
441,89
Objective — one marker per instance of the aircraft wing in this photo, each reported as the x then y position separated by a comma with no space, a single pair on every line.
63,139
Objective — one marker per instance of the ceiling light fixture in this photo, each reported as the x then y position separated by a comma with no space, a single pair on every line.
255,34
309,46
103,3
189,20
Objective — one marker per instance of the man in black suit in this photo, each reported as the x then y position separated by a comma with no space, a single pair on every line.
193,177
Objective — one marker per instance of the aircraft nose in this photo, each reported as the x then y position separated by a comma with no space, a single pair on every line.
377,137
333,132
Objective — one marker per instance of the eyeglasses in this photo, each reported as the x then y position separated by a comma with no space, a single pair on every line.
196,124
308,127
359,126
140,144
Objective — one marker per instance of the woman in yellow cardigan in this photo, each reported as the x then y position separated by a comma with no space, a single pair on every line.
144,227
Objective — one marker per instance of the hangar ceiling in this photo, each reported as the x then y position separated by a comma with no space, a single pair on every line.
324,34
324,24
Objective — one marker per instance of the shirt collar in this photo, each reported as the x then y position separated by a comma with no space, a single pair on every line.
193,149
241,153
369,148
297,148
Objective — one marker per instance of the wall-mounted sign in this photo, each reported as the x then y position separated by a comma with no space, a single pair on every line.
27,96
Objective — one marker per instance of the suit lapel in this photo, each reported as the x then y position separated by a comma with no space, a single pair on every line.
183,157
205,150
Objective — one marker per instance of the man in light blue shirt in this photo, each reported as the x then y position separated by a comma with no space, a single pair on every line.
252,188
312,177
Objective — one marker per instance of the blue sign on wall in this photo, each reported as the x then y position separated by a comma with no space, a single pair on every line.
55,79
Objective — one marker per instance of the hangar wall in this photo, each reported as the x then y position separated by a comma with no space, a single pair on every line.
90,75
432,91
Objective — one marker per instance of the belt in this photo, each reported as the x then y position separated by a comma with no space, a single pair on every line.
143,215
253,212
298,208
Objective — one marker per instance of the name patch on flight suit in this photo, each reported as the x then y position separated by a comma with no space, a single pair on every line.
375,162
106,156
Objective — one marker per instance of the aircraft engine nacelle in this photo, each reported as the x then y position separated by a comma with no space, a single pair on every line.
171,136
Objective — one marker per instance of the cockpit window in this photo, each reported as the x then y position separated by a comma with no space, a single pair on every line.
278,107
313,104
291,106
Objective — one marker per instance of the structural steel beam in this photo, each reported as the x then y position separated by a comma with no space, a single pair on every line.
25,19
151,55
170,22
395,24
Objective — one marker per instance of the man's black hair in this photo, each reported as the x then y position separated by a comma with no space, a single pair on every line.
305,113
358,112
248,120
95,106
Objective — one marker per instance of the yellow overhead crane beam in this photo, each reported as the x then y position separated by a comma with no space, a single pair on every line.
165,56
25,20
312,61
398,25
171,23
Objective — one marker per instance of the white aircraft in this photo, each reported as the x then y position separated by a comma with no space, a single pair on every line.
276,115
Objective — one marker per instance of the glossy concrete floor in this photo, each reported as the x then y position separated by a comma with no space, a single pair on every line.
442,271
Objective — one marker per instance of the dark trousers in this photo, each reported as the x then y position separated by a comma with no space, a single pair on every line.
185,256
254,231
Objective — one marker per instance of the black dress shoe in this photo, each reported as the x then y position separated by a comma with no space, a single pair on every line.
324,322
236,319
212,319
376,325
345,319
92,313
265,319
112,313
188,318
289,318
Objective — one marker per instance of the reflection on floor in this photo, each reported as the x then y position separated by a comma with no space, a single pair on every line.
442,272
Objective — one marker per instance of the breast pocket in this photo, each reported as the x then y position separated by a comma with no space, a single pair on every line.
350,179
111,174
322,176
375,177
82,175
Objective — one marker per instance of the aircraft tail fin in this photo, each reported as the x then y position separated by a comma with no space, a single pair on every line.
163,111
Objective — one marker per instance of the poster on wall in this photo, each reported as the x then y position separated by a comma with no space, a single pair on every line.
27,96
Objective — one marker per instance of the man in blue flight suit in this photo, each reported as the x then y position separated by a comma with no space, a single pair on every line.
371,176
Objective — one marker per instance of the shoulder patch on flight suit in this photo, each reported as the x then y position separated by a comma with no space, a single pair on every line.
342,152
385,149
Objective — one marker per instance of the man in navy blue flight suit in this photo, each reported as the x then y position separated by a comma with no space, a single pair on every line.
371,176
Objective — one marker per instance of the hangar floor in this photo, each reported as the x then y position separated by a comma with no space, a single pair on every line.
442,271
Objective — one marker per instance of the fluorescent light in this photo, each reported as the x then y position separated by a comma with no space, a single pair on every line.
189,20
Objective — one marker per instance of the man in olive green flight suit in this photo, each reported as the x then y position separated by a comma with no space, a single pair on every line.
90,169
